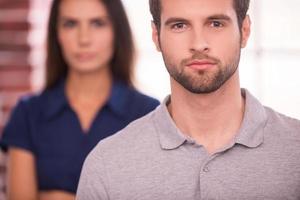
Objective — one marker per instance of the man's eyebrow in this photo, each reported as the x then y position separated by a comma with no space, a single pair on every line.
212,17
220,17
173,20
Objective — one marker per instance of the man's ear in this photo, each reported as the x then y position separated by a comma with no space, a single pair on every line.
246,30
155,36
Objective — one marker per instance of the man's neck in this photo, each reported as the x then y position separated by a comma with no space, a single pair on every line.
212,120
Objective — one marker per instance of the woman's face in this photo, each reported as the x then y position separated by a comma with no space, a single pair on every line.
85,34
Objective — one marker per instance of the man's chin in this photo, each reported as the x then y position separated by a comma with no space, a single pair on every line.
201,90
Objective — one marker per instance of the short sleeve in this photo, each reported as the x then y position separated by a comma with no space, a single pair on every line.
16,133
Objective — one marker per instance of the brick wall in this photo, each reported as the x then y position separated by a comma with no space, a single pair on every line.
15,70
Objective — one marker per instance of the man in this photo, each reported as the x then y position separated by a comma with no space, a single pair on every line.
209,139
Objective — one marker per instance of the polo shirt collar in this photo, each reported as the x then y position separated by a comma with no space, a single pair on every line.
56,100
249,135
169,135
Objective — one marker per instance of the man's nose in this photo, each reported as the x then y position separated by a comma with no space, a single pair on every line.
199,41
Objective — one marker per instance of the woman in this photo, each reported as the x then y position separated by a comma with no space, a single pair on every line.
88,96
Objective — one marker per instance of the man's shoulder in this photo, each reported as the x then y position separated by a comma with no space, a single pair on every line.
136,129
134,136
283,124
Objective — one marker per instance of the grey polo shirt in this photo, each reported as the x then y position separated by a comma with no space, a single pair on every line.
152,160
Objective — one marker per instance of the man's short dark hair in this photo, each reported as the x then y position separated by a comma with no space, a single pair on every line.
241,8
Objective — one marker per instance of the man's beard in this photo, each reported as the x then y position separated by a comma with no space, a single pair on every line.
203,81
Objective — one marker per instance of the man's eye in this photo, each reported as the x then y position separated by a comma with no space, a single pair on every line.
178,26
216,24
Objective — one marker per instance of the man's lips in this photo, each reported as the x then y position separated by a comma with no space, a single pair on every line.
201,64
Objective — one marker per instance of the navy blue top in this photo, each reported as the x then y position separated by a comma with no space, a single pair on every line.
46,125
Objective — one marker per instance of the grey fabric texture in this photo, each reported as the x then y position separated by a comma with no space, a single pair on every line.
152,160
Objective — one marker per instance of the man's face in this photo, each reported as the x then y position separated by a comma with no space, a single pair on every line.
200,41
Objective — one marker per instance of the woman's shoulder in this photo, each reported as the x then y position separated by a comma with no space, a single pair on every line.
29,101
135,102
135,95
36,101
17,129
144,97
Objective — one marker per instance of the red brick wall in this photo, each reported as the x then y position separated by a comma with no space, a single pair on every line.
15,70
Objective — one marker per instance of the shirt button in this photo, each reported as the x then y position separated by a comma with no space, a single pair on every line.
206,169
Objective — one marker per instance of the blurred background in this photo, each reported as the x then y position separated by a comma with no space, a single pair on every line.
269,68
